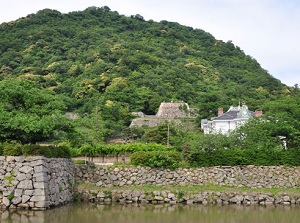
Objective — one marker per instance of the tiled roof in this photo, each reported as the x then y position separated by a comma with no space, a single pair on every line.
228,115
235,113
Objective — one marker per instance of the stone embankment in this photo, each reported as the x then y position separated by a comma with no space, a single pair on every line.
35,182
175,197
237,176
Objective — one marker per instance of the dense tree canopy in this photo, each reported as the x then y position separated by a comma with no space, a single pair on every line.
30,115
98,60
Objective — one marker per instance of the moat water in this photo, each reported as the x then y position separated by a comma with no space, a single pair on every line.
137,213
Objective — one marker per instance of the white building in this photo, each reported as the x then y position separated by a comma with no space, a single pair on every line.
228,121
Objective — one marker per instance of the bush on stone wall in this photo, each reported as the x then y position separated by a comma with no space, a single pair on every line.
291,157
158,159
11,149
35,150
116,149
235,156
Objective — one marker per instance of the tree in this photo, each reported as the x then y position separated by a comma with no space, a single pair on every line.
91,128
286,113
29,114
258,133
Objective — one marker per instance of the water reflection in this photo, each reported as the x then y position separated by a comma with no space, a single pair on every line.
137,213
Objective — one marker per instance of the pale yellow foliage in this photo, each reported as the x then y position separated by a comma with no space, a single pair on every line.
109,103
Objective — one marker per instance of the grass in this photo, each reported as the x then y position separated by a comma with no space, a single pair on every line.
79,161
193,189
9,178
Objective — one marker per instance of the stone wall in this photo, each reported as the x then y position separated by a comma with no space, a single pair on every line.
173,110
167,110
237,176
152,122
35,182
188,197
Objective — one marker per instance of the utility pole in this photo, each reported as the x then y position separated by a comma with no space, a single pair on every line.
168,136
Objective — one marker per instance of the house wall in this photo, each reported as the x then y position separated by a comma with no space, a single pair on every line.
222,126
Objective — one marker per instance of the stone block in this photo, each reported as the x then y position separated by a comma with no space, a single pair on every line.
40,169
25,198
122,183
5,201
113,177
39,192
286,198
16,200
37,163
20,159
8,191
10,159
158,198
33,158
41,204
171,195
28,192
25,184
8,170
21,176
100,183
189,202
18,192
37,198
25,169
38,185
40,179
39,174
23,217
101,194
29,176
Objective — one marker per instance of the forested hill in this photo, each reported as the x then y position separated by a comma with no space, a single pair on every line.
99,58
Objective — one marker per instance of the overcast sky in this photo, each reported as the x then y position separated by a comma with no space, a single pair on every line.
267,30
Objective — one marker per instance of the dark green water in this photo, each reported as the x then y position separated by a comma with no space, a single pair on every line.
134,213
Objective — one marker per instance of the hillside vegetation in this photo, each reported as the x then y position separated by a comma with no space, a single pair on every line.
102,66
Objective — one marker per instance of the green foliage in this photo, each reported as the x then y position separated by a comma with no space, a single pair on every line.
35,150
102,66
12,149
28,114
157,159
10,196
105,149
236,156
284,114
90,128
10,178
79,162
291,157
97,57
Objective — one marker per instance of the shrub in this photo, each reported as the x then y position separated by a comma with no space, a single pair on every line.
158,159
36,150
12,149
291,157
75,152
236,156
79,162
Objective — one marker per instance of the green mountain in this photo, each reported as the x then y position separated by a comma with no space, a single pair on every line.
101,62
